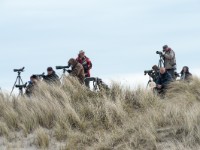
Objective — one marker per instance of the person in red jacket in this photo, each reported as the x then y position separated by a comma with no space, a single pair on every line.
87,65
85,61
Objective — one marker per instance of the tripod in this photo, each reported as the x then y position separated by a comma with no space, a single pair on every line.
63,75
18,82
149,82
160,62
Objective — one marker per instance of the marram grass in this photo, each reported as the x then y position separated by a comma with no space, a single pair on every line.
74,118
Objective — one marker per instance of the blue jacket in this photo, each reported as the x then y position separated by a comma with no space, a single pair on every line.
164,79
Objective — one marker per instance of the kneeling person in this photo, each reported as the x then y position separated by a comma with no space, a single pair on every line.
77,70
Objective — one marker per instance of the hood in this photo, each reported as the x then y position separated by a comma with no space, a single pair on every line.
187,69
72,62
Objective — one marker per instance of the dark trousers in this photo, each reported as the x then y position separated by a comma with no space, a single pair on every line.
87,83
171,72
88,80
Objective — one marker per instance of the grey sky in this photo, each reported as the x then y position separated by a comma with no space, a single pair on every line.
120,36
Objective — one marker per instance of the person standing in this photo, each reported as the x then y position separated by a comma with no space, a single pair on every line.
87,65
169,60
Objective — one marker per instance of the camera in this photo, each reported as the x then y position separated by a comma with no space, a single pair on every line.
61,67
40,75
19,70
159,52
148,72
21,86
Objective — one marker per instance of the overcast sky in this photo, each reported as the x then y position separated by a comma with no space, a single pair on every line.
119,36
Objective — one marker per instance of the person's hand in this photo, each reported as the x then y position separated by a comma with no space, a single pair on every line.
69,71
159,86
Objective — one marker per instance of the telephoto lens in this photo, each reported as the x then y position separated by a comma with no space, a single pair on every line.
61,67
159,52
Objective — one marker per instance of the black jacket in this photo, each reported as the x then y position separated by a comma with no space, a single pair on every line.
52,79
164,79
30,89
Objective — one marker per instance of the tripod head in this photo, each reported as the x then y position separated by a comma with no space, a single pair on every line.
19,71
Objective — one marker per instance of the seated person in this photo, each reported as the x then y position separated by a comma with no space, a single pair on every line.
163,81
185,74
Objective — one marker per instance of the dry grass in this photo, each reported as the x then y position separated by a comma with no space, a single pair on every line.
71,117
42,138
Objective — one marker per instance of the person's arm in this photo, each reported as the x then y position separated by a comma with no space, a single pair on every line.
44,77
74,72
89,63
171,55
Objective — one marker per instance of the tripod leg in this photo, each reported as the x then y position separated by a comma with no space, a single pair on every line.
62,78
14,86
20,79
148,84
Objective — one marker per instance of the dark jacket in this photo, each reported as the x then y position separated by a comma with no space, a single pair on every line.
30,89
186,75
52,79
164,79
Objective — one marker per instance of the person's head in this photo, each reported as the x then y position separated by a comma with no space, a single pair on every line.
34,79
162,70
81,54
50,70
72,62
185,69
166,48
155,68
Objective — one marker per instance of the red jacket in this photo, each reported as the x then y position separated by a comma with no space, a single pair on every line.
87,65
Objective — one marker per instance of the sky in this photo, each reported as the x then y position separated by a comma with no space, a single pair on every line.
119,36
